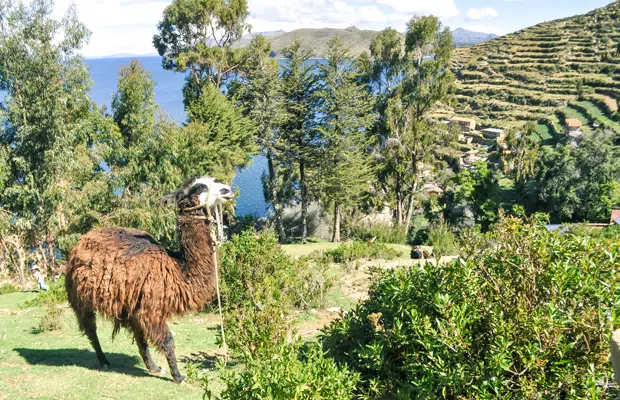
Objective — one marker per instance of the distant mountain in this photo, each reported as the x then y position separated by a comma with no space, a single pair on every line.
356,39
463,37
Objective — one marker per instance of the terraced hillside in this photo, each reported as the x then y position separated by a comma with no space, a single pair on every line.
568,68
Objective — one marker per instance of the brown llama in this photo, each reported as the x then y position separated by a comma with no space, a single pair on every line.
125,275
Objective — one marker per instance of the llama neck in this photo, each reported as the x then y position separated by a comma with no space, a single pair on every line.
198,246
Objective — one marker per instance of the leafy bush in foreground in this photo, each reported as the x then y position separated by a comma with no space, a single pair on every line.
529,318
56,294
285,377
348,252
261,286
52,318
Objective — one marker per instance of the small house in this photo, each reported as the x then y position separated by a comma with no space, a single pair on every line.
615,217
467,124
494,133
573,126
433,190
465,139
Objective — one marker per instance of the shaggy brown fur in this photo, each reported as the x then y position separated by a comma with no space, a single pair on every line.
125,275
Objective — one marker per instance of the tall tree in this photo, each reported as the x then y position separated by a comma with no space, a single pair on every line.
344,109
299,83
259,94
197,36
425,80
51,130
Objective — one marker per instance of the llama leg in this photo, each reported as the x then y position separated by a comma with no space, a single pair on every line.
88,325
167,348
143,347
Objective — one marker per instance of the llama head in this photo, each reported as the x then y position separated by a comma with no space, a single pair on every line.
204,191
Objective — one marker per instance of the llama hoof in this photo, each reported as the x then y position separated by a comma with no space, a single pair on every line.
179,380
156,370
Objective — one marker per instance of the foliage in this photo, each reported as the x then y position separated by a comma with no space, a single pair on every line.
52,318
261,285
410,85
357,250
259,95
8,288
442,239
217,139
298,133
287,376
581,183
382,233
50,136
197,35
345,114
470,199
54,296
529,316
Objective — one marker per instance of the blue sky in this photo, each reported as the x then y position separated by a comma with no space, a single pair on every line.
127,26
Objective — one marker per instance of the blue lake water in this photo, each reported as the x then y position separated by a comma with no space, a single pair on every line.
169,96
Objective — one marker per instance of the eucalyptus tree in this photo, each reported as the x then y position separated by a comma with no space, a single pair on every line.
410,83
344,112
299,136
197,36
50,134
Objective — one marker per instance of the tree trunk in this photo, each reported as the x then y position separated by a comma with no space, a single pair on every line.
20,264
275,198
336,235
399,211
410,210
304,201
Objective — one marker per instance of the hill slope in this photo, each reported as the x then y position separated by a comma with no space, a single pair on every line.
358,40
538,73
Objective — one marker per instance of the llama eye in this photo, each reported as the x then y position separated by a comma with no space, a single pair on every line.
224,191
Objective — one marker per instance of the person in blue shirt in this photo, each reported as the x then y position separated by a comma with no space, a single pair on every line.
36,274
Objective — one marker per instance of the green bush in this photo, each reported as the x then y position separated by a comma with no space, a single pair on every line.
527,318
284,376
52,318
442,239
381,233
357,250
261,286
56,294
8,288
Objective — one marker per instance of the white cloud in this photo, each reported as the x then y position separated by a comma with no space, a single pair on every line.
485,28
117,26
480,13
440,8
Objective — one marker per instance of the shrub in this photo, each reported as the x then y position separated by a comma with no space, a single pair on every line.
381,233
52,318
528,318
442,239
261,285
357,250
285,376
56,294
8,288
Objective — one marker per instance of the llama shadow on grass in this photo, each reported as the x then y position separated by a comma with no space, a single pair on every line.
121,363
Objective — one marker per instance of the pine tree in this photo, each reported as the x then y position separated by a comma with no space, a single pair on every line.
299,83
345,115
259,94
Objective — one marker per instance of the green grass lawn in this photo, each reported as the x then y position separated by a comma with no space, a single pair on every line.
576,114
63,365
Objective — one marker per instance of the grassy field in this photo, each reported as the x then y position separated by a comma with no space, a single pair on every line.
298,250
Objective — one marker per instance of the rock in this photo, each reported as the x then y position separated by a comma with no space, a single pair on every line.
334,309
